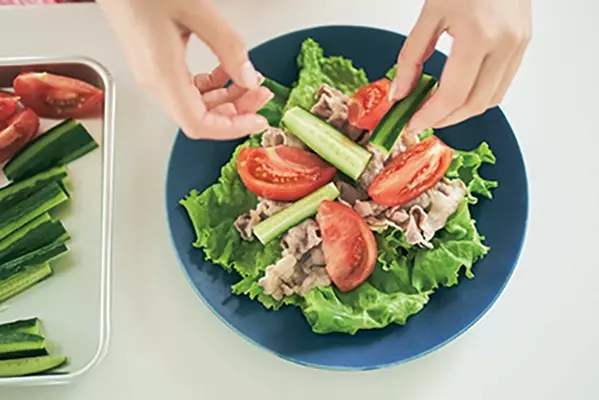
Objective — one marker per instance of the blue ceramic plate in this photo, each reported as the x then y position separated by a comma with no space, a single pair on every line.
196,165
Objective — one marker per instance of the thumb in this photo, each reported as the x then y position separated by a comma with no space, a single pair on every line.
418,46
214,30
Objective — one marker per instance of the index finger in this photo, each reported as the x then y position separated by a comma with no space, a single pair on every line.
457,79
418,47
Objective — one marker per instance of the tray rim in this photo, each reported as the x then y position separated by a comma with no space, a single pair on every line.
108,136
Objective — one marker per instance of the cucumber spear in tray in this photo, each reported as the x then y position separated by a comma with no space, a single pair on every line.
24,349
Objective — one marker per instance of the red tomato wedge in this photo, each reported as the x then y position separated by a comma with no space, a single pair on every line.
19,130
4,93
348,244
8,104
55,96
411,173
370,104
282,173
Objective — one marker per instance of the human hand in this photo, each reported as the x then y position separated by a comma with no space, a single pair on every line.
489,41
154,35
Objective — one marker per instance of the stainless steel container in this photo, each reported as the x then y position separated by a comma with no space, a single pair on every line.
74,304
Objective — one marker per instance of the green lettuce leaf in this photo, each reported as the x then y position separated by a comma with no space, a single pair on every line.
281,92
390,74
327,310
457,246
465,166
426,133
393,272
316,69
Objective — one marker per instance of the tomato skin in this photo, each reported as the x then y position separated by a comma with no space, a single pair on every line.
8,106
411,173
55,96
282,173
19,130
370,104
348,244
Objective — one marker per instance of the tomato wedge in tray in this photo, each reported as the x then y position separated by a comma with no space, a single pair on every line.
282,173
348,244
411,173
370,104
55,96
20,129
8,104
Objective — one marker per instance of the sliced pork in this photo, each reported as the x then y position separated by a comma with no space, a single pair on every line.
278,137
445,200
245,223
265,208
406,140
332,106
292,276
302,267
373,168
369,208
421,217
302,238
349,193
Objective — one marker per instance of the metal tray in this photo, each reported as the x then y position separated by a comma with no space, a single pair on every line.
74,303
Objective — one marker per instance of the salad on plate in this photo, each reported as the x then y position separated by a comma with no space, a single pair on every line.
336,209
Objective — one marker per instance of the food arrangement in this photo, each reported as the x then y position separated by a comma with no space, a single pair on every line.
338,210
35,163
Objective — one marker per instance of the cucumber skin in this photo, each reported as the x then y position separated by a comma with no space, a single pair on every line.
30,366
48,197
23,280
19,345
30,325
17,191
39,232
281,222
14,169
327,142
389,129
39,256
60,145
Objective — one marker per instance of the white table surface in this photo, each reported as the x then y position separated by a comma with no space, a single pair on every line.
538,342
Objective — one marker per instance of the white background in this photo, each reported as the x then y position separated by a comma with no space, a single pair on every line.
538,342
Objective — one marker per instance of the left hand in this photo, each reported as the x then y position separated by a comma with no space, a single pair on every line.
489,40
155,34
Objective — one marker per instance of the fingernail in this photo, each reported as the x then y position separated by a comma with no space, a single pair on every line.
249,76
270,96
399,89
260,78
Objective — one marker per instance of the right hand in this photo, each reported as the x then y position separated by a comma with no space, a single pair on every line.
154,34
